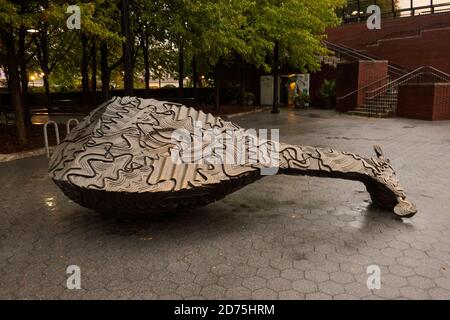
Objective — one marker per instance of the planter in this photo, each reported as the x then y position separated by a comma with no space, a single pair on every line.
329,103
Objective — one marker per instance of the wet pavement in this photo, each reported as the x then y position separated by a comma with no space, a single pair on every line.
279,238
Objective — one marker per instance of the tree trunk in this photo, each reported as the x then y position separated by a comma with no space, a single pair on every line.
106,73
181,71
44,65
85,70
127,59
14,86
94,73
216,88
242,82
276,59
24,77
144,46
194,78
47,90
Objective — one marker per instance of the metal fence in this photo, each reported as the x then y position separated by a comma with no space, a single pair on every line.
355,10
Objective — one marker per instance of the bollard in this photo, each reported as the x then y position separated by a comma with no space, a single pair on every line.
47,148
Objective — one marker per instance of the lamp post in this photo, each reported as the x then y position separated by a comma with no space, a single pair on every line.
127,64
276,58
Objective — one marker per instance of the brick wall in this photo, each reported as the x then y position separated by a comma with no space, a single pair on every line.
411,41
346,82
352,76
441,101
370,72
428,101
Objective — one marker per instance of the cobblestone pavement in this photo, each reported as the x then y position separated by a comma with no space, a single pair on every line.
280,238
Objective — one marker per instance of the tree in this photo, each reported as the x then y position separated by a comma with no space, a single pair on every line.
108,33
150,28
210,30
25,52
53,42
294,29
15,19
127,43
99,31
259,30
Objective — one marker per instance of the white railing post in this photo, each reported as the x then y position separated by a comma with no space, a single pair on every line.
69,122
47,147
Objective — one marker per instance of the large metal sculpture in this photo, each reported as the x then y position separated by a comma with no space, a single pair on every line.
120,159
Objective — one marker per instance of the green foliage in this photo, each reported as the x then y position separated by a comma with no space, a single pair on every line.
249,28
298,25
328,89
214,31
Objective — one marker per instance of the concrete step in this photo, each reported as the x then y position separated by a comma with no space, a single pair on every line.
365,113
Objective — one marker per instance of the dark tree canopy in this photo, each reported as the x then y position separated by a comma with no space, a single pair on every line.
162,36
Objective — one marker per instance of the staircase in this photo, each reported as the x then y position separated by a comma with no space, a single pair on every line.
394,72
381,96
382,106
382,101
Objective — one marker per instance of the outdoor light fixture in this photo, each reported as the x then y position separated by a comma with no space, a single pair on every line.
32,31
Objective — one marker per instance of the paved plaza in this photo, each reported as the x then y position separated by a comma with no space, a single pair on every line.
282,237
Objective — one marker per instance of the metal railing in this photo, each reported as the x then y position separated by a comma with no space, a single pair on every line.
383,99
381,96
351,98
55,125
393,69
355,13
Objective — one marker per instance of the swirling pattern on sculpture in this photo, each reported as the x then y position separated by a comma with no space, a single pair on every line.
118,159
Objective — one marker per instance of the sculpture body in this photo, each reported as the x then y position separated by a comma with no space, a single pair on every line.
120,159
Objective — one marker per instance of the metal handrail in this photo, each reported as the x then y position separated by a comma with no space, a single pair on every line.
405,78
365,87
409,74
441,72
394,69
351,51
385,98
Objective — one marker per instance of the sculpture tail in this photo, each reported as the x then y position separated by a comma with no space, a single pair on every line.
376,173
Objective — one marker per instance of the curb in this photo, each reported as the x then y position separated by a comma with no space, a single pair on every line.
22,155
235,115
40,152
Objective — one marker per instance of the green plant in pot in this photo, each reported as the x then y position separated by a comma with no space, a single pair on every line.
328,93
249,98
301,100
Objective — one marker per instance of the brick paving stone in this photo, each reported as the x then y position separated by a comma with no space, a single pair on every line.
283,237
